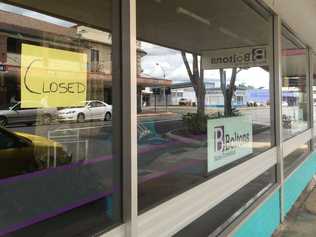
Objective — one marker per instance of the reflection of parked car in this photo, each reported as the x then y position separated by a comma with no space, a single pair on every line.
284,103
91,110
22,153
185,101
16,114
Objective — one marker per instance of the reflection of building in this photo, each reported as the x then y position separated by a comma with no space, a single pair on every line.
96,44
213,95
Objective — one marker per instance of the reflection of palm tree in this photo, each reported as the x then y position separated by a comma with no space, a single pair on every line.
25,76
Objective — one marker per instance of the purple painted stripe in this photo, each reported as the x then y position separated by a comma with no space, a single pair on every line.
173,169
150,148
53,170
146,149
45,216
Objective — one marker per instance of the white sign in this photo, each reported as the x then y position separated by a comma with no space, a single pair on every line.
229,139
236,57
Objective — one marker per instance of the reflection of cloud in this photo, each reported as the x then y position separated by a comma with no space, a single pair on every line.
171,62
256,77
35,15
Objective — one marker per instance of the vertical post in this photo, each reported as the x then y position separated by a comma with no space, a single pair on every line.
155,103
48,157
86,149
278,108
55,154
166,103
78,145
129,120
118,163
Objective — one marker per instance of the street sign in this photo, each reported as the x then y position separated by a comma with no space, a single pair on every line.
156,91
168,91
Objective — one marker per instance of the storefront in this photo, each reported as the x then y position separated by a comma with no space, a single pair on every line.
152,117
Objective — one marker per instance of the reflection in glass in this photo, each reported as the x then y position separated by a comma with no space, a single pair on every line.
294,85
56,156
226,212
295,158
184,98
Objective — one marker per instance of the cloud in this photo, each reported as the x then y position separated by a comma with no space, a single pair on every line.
160,60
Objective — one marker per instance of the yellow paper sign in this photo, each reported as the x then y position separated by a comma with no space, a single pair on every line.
52,77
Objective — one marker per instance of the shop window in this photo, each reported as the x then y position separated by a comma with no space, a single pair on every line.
294,85
58,172
221,60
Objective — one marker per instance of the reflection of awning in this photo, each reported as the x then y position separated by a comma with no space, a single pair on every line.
179,24
141,81
107,78
294,63
152,82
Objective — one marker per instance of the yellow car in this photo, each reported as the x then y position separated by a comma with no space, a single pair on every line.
22,153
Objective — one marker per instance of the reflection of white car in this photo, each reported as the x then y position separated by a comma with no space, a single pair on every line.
185,101
92,110
284,103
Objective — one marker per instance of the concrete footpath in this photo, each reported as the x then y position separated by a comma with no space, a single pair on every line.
301,221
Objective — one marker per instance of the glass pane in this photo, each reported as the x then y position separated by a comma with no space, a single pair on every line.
57,171
292,160
216,220
204,92
294,86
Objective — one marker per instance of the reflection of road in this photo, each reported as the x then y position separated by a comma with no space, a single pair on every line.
162,160
99,133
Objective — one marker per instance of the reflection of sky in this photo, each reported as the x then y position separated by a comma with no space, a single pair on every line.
161,61
35,15
171,64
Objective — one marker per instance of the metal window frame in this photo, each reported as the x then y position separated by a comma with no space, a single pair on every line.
129,116
171,216
311,69
295,142
176,213
278,106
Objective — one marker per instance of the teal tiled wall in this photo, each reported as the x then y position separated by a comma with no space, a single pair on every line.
266,219
297,182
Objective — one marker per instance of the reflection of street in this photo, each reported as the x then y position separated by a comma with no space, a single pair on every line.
99,133
169,161
162,158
